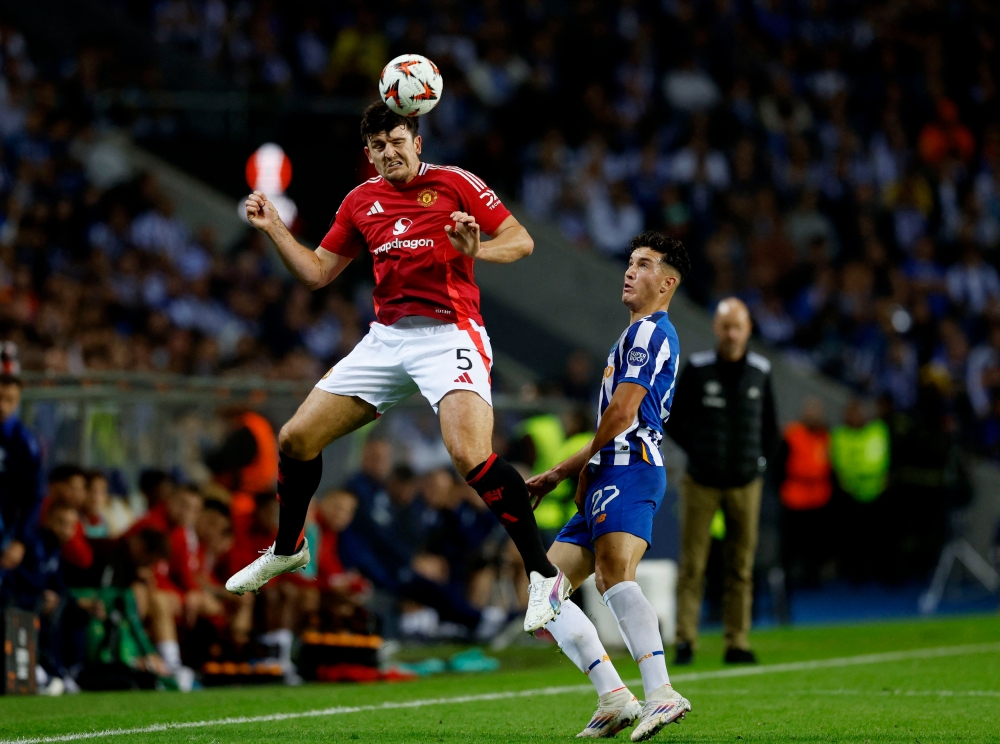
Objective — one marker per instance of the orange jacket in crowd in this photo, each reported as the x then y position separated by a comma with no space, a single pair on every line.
808,483
262,473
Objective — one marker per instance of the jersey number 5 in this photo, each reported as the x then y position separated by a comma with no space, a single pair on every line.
464,362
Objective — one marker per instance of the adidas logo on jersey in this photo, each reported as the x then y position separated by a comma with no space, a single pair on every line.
464,377
376,209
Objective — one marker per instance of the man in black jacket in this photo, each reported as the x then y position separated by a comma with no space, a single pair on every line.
723,418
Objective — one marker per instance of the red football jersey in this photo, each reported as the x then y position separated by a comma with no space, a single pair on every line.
417,271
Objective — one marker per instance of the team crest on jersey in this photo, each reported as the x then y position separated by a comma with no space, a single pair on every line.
427,197
637,357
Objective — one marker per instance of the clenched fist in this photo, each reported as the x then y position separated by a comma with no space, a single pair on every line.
464,235
261,212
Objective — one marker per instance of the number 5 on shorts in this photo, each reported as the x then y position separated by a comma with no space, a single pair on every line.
464,362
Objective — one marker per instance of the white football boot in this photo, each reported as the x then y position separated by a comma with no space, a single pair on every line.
265,568
545,598
664,707
615,711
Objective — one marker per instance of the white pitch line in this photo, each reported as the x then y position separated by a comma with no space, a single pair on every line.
864,693
749,671
844,661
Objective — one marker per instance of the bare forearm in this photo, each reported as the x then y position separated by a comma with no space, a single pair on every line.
507,246
613,422
303,263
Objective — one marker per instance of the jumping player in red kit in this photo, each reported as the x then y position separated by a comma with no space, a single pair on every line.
422,225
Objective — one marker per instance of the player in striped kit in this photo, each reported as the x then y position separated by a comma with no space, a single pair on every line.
422,225
621,485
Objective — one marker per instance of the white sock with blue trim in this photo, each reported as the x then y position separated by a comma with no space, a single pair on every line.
640,628
577,637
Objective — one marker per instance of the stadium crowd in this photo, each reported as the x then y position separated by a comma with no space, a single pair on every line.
820,158
834,163
98,273
128,582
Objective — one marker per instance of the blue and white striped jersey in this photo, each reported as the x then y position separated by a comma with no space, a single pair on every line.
647,354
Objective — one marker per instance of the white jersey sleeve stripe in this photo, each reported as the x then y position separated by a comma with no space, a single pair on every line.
662,357
664,411
471,176
474,181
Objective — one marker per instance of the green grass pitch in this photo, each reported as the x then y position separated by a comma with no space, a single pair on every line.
942,686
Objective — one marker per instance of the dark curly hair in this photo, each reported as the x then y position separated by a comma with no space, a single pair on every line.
380,118
674,252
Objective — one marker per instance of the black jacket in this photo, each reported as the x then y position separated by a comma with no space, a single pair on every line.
723,418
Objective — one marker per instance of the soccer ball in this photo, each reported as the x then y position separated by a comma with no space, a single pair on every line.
411,85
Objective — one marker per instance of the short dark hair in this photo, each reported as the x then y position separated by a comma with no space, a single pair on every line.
63,473
380,118
673,250
218,507
402,472
8,379
150,479
154,543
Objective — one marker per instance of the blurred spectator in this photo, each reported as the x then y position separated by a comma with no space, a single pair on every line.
96,507
543,441
804,472
613,218
860,455
690,89
37,584
282,599
384,544
176,594
927,482
20,478
246,462
68,486
156,486
946,137
578,377
983,373
114,510
973,284
461,532
343,591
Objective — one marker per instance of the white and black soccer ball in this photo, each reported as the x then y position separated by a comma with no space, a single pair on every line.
411,85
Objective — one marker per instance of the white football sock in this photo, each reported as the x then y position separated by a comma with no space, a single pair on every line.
641,630
577,637
170,652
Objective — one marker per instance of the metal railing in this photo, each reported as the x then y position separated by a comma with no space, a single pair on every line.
132,421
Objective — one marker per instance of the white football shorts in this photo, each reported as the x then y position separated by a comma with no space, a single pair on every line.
414,354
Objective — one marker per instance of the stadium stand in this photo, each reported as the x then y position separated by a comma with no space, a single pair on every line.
822,160
822,165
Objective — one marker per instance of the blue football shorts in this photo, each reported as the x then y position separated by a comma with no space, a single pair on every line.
621,498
